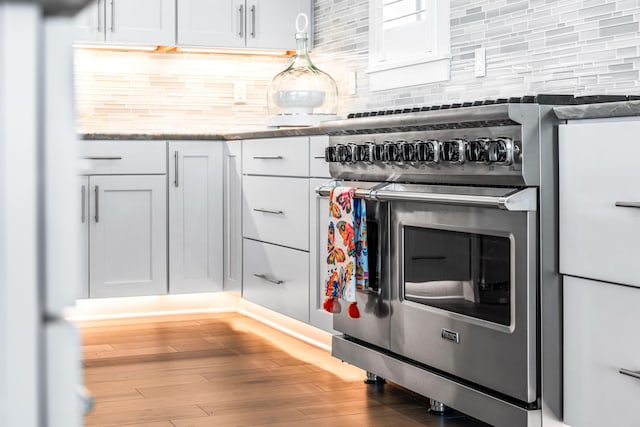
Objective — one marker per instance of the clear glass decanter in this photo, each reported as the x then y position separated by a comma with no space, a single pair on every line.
302,89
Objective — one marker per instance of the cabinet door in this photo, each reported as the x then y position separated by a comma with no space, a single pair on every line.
271,23
128,235
601,337
276,278
141,21
89,22
84,236
195,216
599,200
318,226
218,23
233,216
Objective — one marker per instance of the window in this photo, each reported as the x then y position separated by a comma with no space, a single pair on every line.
409,42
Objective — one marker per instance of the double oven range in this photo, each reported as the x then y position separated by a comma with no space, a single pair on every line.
464,298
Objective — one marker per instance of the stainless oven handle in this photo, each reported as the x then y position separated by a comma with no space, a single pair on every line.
522,200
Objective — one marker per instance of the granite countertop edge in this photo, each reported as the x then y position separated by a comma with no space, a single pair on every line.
598,111
266,133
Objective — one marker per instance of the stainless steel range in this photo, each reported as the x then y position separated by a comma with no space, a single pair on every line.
465,297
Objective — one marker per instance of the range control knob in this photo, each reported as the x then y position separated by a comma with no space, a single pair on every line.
502,150
477,150
408,151
454,151
362,153
428,151
331,155
392,151
377,152
344,153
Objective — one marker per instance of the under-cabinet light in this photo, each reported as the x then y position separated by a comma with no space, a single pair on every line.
174,49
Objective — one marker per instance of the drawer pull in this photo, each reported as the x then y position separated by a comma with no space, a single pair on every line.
318,157
263,277
103,158
634,374
268,157
628,204
269,211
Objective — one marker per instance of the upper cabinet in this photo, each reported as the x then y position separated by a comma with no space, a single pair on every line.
257,24
147,22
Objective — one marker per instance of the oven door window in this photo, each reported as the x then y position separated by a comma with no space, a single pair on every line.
464,273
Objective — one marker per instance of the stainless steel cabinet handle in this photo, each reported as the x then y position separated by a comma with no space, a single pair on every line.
628,204
269,211
318,157
176,161
634,374
83,197
241,13
97,192
99,16
263,277
268,157
113,16
253,21
103,158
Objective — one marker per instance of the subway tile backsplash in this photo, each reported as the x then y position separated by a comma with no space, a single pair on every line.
536,46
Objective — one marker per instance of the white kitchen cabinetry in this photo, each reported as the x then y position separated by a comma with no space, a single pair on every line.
233,216
275,224
599,252
600,201
318,226
146,22
601,337
257,24
195,216
127,235
125,217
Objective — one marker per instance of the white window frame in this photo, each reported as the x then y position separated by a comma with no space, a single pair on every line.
429,64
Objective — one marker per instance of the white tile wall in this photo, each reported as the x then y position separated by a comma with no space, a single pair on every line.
535,46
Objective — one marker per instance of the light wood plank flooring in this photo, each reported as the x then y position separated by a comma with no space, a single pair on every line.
229,370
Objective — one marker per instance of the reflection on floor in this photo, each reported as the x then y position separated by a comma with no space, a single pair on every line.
229,370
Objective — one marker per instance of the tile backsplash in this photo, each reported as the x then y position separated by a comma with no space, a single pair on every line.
535,46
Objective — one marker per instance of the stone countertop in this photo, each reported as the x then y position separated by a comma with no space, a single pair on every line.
598,111
265,133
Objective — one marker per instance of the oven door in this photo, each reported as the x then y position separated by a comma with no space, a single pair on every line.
463,281
373,326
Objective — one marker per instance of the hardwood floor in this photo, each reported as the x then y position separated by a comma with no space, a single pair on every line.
229,370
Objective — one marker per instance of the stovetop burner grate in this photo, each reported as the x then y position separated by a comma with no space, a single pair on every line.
541,99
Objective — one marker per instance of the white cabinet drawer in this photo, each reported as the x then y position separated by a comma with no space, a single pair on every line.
276,210
123,157
598,168
276,278
601,336
276,156
318,167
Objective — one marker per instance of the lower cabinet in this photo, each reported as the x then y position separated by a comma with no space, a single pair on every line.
601,348
195,216
277,278
233,217
318,226
127,235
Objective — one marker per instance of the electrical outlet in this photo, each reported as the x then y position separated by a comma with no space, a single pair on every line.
480,69
239,92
